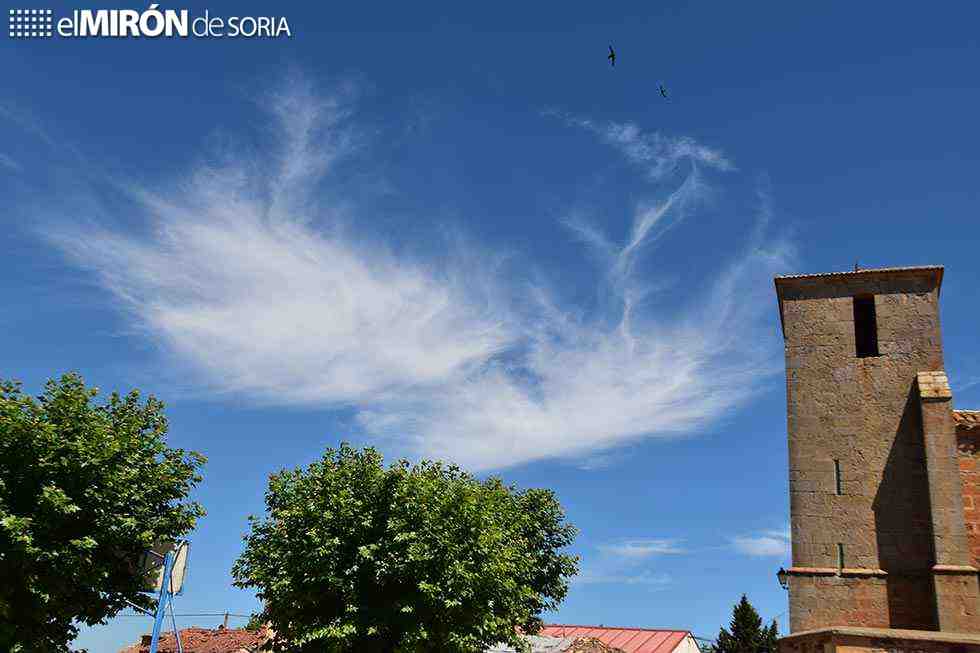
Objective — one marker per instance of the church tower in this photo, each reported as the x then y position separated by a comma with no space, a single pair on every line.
876,504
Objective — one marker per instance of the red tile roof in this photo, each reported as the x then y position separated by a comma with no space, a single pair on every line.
591,645
630,640
967,419
206,640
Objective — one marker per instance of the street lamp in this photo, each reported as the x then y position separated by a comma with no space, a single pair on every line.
783,577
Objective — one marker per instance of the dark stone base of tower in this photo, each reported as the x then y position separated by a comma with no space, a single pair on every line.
850,639
883,475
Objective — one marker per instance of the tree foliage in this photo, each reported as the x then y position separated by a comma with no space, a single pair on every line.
746,633
255,622
353,556
85,488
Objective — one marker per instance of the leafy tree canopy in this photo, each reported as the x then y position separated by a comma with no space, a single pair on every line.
746,633
85,488
255,622
353,556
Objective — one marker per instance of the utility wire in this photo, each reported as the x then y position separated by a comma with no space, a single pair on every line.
193,614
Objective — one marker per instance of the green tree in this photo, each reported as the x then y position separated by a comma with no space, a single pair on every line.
255,622
352,556
84,490
746,633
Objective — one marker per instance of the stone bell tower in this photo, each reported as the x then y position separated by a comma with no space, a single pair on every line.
876,505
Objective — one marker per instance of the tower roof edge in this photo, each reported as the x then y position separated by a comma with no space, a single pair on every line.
827,284
933,270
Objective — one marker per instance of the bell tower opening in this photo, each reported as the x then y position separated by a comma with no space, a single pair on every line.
865,326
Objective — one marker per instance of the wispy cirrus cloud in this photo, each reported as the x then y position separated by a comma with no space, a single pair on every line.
256,279
652,579
644,548
772,543
658,154
12,112
627,562
9,163
961,381
969,384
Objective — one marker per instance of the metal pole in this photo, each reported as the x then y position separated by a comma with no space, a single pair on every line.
170,588
168,563
173,620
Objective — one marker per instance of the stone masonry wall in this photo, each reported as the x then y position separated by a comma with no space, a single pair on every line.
968,448
864,413
854,640
955,579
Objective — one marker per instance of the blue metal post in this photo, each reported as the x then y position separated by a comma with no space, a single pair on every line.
168,563
173,620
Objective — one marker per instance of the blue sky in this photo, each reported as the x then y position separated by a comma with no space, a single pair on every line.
454,231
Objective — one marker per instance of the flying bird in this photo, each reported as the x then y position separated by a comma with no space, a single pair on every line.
663,92
612,56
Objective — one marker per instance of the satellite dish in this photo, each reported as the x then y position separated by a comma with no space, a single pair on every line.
152,567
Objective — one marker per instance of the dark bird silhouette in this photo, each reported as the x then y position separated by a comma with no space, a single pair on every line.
663,92
612,56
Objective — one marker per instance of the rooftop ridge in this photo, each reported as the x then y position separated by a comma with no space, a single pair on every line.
652,630
848,273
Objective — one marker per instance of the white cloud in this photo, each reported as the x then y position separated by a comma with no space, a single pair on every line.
626,563
963,382
259,281
26,120
7,162
638,549
640,578
969,383
774,543
658,154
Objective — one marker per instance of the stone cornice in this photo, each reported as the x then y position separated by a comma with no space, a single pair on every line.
834,571
890,633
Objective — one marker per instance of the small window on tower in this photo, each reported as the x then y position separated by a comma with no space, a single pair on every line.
865,326
837,478
840,556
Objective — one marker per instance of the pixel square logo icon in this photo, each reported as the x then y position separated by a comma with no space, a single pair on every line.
30,23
